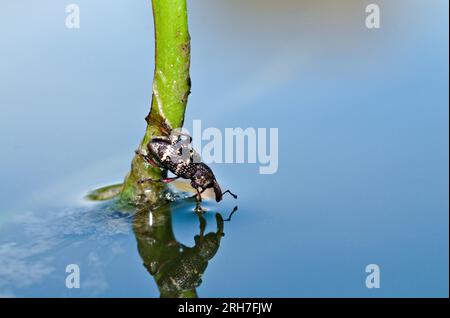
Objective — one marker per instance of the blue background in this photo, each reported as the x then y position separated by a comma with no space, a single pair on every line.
363,144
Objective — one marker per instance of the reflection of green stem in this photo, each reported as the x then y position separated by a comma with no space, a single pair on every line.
177,269
171,87
157,244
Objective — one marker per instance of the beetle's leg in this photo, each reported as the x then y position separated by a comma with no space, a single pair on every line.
196,195
232,194
168,180
199,195
231,214
151,161
147,158
198,207
202,221
165,180
219,221
147,180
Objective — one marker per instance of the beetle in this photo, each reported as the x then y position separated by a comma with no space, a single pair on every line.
176,154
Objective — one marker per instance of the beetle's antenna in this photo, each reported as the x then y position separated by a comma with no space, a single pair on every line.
231,214
232,194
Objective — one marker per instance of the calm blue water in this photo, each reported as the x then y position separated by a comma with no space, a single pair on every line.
363,147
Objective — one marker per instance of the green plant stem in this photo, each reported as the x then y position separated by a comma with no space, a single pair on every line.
171,87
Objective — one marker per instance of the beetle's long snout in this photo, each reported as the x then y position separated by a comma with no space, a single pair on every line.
217,191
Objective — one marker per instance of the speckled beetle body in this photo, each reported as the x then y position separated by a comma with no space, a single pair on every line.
176,154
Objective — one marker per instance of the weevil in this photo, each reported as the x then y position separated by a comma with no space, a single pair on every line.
176,154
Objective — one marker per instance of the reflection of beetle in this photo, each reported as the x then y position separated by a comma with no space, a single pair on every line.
176,268
185,271
175,153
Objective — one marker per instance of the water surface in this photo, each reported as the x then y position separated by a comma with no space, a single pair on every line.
363,150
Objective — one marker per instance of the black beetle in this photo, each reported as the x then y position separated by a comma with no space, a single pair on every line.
175,153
